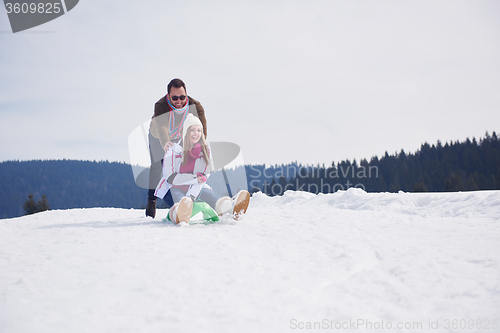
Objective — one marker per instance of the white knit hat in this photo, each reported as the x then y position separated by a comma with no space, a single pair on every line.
190,120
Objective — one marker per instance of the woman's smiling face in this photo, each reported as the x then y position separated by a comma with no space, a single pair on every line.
194,134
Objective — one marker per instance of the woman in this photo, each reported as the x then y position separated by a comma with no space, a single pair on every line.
185,171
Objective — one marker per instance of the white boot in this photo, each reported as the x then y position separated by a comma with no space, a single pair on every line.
181,212
172,213
224,205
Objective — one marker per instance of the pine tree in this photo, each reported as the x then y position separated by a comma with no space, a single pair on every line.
420,187
265,188
30,206
272,189
498,179
453,183
282,182
43,204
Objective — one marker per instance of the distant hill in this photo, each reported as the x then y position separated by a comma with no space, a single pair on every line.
68,184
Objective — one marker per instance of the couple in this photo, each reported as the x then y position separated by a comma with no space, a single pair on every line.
179,151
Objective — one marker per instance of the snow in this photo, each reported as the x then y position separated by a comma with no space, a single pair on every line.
293,262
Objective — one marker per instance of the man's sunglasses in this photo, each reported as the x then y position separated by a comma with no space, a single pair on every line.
174,98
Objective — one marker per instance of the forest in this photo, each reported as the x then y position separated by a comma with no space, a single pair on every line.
455,166
68,184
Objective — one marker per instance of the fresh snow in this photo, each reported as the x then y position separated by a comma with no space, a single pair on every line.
295,261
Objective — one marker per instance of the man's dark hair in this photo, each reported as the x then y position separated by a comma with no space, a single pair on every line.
176,83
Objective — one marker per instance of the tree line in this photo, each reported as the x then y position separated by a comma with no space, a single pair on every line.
68,184
455,166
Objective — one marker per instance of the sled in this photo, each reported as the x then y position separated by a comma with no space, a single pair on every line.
208,214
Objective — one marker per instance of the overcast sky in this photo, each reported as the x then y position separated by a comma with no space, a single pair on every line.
308,81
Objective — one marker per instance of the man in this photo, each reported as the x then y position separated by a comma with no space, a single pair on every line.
165,129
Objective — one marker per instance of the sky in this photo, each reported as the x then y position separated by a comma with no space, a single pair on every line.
313,82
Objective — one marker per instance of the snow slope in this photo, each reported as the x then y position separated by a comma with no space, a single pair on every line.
346,260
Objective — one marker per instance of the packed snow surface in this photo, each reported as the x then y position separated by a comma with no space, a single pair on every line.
298,262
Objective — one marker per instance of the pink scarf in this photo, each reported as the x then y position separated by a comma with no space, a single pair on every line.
191,158
176,132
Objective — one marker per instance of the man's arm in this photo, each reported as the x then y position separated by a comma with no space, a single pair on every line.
160,123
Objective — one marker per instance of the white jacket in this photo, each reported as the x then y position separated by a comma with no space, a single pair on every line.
172,163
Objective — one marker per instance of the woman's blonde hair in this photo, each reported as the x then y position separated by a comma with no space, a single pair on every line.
187,146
